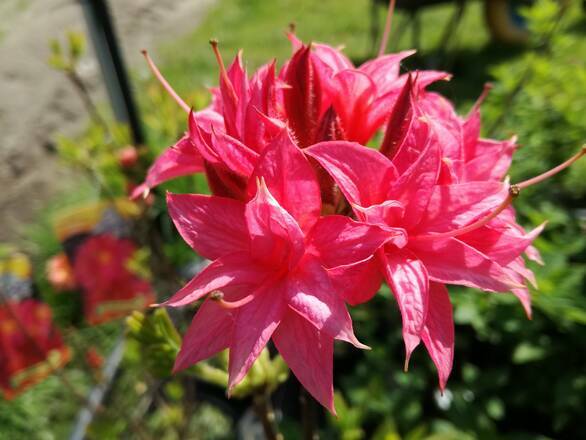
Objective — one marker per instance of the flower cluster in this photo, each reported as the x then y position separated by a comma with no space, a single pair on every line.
306,217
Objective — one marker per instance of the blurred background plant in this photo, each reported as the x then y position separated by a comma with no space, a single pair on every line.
513,378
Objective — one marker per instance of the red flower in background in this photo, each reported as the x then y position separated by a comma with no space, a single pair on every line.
31,347
111,290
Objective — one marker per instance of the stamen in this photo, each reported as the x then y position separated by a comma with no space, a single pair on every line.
553,171
164,82
487,88
223,72
514,191
292,27
218,297
387,32
214,44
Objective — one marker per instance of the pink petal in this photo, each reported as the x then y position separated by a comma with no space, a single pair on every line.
524,298
312,295
454,206
501,246
237,157
228,271
357,283
291,180
492,161
364,175
354,94
235,97
276,238
209,333
387,213
181,159
213,226
415,186
338,240
384,70
254,326
438,331
309,353
451,261
332,57
407,277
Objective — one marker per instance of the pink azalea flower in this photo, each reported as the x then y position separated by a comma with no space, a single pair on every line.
433,254
268,278
465,157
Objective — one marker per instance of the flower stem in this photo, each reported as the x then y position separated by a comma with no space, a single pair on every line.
264,411
307,415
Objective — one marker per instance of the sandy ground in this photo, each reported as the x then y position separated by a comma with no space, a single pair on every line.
36,103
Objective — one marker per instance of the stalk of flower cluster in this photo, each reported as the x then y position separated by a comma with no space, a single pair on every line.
514,191
387,31
266,414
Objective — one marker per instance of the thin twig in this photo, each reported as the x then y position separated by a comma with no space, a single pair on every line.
264,411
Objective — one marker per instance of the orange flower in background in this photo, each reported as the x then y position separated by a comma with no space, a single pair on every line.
93,358
60,273
31,347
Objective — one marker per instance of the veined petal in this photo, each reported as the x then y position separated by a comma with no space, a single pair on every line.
407,277
276,238
451,261
492,160
383,215
309,353
415,186
254,326
213,226
311,294
209,333
332,57
438,331
237,157
357,283
181,159
352,99
338,240
457,205
501,246
364,175
228,271
384,70
291,180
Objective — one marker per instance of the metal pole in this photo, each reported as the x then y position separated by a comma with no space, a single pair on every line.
109,56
